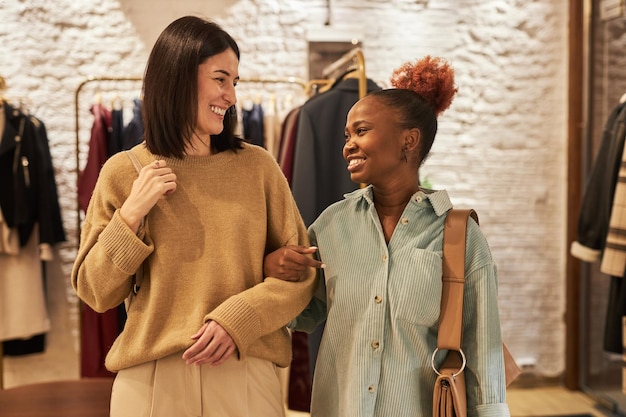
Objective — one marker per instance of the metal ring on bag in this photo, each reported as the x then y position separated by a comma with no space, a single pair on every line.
432,362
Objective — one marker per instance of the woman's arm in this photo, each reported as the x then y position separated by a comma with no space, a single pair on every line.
290,263
482,338
111,240
315,313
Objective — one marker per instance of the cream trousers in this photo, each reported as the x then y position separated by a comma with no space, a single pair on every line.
168,387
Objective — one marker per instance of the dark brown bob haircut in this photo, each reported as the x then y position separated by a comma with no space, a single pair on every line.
170,87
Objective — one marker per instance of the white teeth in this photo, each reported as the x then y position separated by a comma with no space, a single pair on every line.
217,110
354,161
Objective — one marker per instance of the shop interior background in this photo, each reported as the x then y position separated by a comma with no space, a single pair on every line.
501,147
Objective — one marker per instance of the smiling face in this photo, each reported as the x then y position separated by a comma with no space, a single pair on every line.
374,143
217,77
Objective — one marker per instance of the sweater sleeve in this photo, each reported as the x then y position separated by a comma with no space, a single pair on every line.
109,253
271,304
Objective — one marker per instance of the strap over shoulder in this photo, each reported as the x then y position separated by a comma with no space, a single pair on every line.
134,159
139,274
454,235
451,317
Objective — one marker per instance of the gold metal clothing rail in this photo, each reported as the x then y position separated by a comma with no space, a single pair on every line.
353,57
77,107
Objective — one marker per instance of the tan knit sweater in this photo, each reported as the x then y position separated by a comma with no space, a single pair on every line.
203,248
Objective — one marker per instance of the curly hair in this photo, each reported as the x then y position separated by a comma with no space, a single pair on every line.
422,91
431,78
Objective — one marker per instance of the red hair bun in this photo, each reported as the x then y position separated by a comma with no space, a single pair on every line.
431,78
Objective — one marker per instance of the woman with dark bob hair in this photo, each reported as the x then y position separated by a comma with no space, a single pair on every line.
206,329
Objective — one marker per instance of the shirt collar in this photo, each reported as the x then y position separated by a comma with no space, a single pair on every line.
438,199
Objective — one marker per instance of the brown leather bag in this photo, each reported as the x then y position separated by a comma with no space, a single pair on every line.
449,395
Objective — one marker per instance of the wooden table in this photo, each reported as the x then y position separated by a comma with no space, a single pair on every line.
78,398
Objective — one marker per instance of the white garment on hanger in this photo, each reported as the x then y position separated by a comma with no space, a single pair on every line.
23,309
9,238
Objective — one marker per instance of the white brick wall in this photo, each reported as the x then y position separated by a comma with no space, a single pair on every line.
500,147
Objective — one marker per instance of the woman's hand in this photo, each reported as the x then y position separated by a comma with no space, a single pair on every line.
154,181
213,345
290,263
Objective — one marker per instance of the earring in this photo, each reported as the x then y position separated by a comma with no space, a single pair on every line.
404,157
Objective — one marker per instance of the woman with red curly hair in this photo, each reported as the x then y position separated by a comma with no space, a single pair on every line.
380,288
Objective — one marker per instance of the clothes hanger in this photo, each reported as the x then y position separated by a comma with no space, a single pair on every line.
353,58
317,86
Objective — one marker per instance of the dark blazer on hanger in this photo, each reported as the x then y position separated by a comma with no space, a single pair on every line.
595,209
601,221
28,192
320,176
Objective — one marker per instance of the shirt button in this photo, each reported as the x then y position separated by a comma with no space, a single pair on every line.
371,388
418,199
375,344
378,299
384,258
405,221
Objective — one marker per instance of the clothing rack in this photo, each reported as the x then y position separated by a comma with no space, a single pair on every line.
91,79
77,107
353,58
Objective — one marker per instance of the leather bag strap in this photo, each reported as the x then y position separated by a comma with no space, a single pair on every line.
139,273
135,160
453,277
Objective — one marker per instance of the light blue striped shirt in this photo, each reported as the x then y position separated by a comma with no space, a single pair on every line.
382,305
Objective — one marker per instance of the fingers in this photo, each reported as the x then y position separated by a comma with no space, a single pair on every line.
155,181
197,335
290,262
159,163
161,176
213,345
302,249
298,249
227,354
297,259
167,175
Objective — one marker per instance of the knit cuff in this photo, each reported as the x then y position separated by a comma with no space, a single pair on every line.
240,320
584,253
126,250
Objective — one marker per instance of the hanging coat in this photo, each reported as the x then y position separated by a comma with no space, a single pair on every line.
601,222
29,194
320,177
30,209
